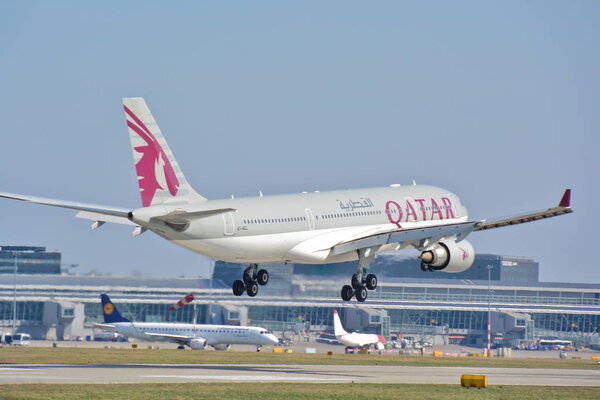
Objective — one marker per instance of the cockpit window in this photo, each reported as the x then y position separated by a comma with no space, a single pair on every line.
266,332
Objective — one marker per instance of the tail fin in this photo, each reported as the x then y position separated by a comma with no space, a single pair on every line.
159,176
338,329
110,312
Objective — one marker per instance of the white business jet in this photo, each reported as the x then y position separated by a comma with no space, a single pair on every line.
309,228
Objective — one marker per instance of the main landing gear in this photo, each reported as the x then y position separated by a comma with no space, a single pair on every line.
359,283
251,278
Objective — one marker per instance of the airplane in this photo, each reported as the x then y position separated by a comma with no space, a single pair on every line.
309,228
196,336
355,339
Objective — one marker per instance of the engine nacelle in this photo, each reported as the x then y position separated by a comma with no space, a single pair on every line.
221,346
197,344
449,256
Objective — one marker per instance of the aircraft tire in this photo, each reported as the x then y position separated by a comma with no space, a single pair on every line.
252,289
262,277
347,293
361,294
238,287
371,282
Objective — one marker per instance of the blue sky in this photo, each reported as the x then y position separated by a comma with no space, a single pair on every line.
495,101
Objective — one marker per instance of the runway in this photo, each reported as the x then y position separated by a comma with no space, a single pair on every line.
165,373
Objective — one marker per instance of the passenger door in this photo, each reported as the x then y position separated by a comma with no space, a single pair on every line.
229,224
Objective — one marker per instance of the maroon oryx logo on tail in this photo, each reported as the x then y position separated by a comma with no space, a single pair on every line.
154,169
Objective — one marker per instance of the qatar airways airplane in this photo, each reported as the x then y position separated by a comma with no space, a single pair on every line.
309,228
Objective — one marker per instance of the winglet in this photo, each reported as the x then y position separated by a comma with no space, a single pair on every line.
566,199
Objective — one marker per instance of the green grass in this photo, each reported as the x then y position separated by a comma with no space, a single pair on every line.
279,390
289,391
71,355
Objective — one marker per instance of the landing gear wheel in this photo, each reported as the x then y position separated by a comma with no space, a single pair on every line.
356,281
238,287
361,294
262,277
347,293
252,289
371,282
181,347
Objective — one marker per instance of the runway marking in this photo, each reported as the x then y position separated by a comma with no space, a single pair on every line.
246,378
19,369
62,378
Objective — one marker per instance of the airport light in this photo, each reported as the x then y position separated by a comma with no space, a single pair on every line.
14,322
489,321
210,293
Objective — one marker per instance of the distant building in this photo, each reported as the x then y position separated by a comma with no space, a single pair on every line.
503,269
408,303
29,259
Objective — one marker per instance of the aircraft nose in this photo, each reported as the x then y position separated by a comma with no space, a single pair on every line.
273,339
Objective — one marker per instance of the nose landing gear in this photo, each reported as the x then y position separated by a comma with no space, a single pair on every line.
252,277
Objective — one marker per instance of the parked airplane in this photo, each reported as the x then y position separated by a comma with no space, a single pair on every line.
310,228
355,339
196,336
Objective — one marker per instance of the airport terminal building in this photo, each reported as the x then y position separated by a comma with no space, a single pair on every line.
299,300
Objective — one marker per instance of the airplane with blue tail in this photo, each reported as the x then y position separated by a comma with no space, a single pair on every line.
196,336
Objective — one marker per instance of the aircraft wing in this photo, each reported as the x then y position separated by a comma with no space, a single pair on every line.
104,218
433,233
564,207
104,326
115,215
461,230
175,338
89,211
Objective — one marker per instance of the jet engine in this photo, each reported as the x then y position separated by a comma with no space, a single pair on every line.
222,346
197,344
448,256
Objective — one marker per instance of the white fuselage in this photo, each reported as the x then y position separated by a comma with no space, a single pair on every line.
303,227
354,339
213,334
358,339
